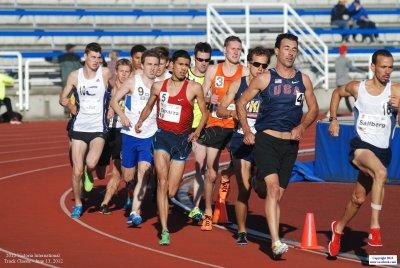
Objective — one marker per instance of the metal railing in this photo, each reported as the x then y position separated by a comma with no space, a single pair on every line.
257,28
21,100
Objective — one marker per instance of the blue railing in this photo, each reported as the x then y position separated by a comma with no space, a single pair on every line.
173,13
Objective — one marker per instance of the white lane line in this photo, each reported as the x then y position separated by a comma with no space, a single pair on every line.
36,138
34,143
37,149
68,213
26,259
32,171
31,158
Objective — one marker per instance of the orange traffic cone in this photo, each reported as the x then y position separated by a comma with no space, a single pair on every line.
309,238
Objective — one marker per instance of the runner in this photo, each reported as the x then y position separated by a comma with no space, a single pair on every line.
375,109
219,130
89,128
136,58
112,146
163,72
280,125
243,160
172,142
202,56
137,156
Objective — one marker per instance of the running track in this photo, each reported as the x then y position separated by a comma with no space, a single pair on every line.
36,199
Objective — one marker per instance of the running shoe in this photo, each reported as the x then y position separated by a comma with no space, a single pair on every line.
334,244
88,181
196,214
279,248
134,219
375,238
207,223
241,239
76,211
104,209
165,238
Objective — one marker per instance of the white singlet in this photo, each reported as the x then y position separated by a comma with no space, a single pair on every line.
374,119
134,105
91,101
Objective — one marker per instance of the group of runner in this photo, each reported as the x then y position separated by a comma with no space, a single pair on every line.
148,120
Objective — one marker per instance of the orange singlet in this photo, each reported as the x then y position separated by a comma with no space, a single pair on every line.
219,86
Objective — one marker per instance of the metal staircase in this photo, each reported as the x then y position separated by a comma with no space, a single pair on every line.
259,24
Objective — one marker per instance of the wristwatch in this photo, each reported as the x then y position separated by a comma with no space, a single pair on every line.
331,118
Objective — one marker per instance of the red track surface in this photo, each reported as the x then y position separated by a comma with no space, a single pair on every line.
34,184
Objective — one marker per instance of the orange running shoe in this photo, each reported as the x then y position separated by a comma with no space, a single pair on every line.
207,223
375,238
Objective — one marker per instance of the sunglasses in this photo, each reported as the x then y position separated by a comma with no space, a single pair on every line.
201,60
258,64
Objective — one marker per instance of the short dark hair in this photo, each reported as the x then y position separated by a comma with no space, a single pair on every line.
123,62
231,39
150,53
95,47
163,52
202,47
259,51
137,48
180,54
380,52
282,36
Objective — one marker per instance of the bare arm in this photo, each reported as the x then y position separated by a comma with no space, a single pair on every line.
125,88
312,112
107,77
350,89
207,79
155,91
199,95
395,99
228,99
71,82
256,85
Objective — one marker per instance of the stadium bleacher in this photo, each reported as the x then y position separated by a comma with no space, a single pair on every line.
42,28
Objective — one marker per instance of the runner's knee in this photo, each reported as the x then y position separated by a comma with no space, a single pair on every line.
358,199
273,190
381,175
90,164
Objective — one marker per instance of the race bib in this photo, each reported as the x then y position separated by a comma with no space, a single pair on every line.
372,124
251,122
299,99
90,106
219,81
170,112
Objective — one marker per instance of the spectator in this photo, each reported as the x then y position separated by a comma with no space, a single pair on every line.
342,68
69,61
360,16
9,115
340,17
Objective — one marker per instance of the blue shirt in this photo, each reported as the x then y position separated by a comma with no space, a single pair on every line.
281,106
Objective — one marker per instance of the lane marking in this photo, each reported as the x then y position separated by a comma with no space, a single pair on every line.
68,213
31,158
32,171
37,149
33,143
